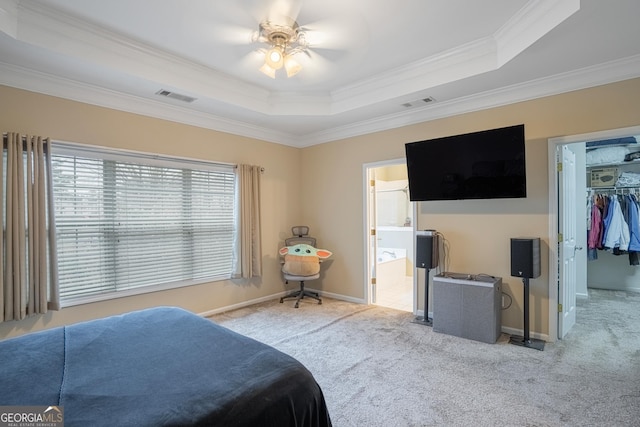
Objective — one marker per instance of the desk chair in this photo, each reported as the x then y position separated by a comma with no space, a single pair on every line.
300,235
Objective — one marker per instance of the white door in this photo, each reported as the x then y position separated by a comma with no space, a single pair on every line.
567,228
373,242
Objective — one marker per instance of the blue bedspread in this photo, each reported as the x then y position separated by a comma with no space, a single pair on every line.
162,366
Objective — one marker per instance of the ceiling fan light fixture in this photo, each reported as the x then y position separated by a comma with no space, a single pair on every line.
291,66
274,58
285,40
268,71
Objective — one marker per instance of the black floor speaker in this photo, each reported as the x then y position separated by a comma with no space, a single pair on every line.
427,243
525,263
525,257
426,249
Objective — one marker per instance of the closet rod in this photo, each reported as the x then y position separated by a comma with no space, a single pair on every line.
622,191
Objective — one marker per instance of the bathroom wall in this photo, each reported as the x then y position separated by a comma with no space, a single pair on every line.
394,212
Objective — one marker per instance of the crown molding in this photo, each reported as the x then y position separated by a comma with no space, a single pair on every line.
527,26
48,84
49,28
464,61
34,81
531,23
46,27
611,72
9,17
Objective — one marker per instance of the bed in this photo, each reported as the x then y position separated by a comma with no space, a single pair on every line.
158,367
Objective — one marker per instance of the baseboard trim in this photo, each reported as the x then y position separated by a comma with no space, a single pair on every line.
504,329
420,313
340,297
276,296
242,304
520,332
604,288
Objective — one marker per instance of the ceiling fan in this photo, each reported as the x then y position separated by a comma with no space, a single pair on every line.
285,40
284,46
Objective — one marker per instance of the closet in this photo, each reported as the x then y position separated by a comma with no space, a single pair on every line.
613,214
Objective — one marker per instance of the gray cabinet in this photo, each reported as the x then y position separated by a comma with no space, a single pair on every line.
468,306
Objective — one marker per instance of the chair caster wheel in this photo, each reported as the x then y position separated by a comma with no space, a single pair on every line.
281,300
296,306
319,302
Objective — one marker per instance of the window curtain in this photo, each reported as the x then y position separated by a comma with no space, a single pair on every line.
29,266
250,232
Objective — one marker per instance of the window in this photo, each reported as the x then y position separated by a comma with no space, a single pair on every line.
128,221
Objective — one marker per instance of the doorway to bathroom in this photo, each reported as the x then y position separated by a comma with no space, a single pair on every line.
390,230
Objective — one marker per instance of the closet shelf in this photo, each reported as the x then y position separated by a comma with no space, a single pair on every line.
614,164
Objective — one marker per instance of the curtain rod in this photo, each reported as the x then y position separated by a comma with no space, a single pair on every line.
151,155
261,168
90,148
24,137
46,141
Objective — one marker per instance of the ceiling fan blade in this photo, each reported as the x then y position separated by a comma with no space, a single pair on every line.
331,40
238,13
252,60
336,33
245,21
279,9
314,65
333,55
234,34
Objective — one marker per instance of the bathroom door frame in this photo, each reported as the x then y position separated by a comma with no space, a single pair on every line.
369,258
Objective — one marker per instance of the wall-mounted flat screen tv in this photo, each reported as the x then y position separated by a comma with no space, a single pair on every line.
488,164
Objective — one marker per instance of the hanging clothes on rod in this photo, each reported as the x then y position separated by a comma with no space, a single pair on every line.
595,226
614,223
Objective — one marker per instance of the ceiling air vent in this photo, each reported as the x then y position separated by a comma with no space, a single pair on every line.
173,95
418,103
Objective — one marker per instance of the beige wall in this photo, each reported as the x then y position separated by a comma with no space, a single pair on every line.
390,173
478,231
64,120
330,196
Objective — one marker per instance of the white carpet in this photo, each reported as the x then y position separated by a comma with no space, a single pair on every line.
376,368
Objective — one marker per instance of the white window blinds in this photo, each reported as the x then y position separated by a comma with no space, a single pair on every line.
127,221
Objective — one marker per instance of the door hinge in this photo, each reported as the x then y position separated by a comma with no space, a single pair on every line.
372,182
373,280
373,231
559,308
560,238
560,167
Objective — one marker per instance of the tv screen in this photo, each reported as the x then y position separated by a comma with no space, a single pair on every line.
488,164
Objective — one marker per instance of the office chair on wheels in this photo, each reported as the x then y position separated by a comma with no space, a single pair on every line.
300,236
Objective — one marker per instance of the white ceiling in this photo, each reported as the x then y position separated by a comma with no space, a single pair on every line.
368,58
